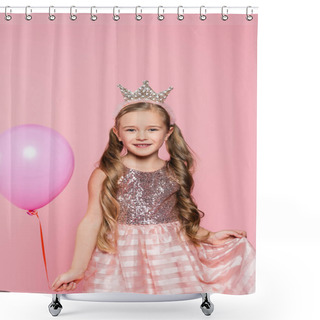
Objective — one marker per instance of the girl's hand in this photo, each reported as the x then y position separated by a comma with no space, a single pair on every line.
224,235
67,281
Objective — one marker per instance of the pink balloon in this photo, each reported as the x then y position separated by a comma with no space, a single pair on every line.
36,164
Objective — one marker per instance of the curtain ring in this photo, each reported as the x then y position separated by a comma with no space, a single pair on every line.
180,16
51,16
160,16
224,17
7,16
93,16
203,16
249,17
115,16
73,16
28,16
138,16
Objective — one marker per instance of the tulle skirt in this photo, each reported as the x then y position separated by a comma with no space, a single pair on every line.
154,259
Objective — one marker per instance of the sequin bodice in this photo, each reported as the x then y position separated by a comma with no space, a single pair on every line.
147,197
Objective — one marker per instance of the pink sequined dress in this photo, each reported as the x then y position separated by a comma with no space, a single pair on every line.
153,258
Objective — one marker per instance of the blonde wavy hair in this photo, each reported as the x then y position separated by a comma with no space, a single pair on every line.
182,164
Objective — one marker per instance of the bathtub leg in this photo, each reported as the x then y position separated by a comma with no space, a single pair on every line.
55,306
206,305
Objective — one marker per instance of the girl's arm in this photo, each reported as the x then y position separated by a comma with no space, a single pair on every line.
89,226
86,238
203,232
221,236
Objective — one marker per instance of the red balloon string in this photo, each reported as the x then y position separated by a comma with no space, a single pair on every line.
35,213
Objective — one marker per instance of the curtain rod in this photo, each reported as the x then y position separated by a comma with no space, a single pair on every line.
80,9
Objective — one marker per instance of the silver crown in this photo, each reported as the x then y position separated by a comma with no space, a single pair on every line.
145,92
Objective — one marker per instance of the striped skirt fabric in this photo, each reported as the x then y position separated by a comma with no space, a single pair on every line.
155,259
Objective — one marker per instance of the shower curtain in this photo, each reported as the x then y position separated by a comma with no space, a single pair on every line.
59,89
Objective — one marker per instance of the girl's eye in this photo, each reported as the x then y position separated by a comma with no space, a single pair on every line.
133,129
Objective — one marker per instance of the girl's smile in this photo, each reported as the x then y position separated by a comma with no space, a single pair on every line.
142,145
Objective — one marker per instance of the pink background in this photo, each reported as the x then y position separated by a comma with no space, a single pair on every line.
64,74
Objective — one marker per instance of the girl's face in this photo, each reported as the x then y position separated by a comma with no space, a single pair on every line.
142,132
